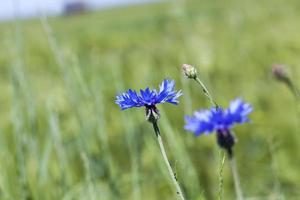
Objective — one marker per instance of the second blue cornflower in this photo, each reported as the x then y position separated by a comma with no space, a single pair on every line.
220,121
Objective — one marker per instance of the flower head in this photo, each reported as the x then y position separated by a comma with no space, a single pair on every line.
220,121
149,98
208,121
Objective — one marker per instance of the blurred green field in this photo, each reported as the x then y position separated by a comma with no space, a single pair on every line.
62,136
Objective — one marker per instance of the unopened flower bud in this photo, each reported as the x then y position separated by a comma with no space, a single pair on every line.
279,72
189,70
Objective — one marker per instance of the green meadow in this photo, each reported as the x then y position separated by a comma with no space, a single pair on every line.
63,137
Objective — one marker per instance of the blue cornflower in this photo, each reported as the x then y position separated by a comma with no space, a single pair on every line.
149,98
220,121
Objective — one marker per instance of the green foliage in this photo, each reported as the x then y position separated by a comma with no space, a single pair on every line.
62,136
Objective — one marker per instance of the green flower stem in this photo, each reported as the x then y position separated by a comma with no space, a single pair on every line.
236,179
221,179
206,92
163,152
292,88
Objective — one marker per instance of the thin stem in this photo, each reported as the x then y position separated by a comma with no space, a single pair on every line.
221,179
293,89
163,152
274,167
206,92
236,179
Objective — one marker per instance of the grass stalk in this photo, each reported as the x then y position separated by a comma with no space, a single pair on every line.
274,167
132,142
19,86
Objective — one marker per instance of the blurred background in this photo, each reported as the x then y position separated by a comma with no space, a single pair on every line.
62,63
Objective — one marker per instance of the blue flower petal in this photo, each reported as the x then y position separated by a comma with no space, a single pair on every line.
167,92
238,111
200,122
148,97
128,100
